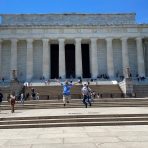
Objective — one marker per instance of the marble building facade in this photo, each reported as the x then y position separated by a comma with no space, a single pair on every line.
77,45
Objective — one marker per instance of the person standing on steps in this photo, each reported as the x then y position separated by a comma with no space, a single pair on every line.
86,95
33,94
12,101
37,96
66,91
1,99
92,96
22,98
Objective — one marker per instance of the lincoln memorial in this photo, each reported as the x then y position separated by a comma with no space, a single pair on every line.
72,45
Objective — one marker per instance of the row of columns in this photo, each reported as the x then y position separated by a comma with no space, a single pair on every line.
78,57
125,57
140,55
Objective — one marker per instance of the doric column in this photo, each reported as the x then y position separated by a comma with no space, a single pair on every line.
13,59
0,58
94,58
140,57
78,58
46,57
29,69
110,64
125,59
62,58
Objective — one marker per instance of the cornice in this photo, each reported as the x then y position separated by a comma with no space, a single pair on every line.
72,26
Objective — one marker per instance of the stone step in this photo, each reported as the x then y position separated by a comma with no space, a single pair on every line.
110,100
73,120
75,116
96,100
60,105
71,105
56,91
105,100
76,103
75,124
33,121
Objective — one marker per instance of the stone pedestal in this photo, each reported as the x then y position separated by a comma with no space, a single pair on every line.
127,87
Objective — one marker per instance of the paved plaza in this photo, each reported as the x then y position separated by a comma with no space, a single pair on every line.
135,136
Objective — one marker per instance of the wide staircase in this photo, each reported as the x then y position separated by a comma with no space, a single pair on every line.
51,98
73,120
77,103
50,92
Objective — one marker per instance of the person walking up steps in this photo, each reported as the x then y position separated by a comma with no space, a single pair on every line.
66,91
86,95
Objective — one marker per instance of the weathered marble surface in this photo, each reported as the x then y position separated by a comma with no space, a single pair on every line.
67,19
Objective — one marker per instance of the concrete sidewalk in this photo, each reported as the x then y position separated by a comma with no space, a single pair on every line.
76,137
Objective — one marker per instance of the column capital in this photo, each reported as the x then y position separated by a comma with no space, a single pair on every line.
138,38
61,39
78,39
94,39
29,40
45,40
124,38
108,39
14,40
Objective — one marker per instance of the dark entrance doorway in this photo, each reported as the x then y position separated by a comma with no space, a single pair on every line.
70,60
54,60
85,61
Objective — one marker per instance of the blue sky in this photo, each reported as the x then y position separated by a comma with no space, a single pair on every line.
140,7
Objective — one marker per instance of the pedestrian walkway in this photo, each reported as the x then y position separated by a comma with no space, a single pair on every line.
76,137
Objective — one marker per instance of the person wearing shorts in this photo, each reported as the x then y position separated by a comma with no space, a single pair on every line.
66,91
